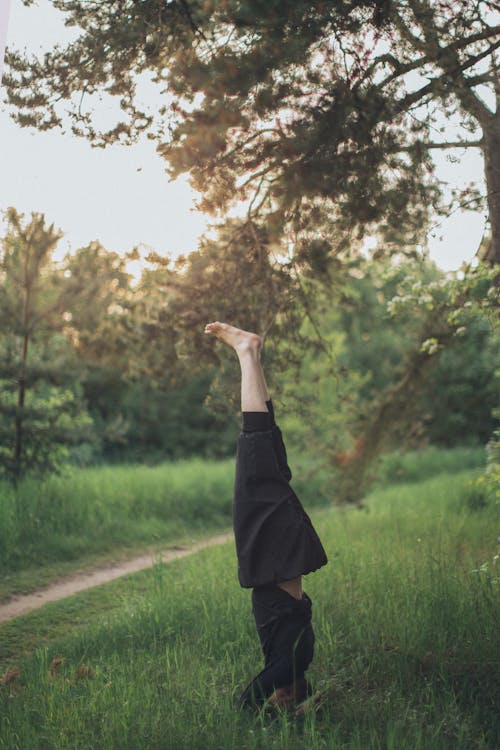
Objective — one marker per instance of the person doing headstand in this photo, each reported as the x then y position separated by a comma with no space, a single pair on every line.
276,543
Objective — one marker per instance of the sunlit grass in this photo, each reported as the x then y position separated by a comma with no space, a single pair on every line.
406,624
95,511
64,518
413,466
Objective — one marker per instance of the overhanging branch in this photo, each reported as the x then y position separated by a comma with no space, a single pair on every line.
454,144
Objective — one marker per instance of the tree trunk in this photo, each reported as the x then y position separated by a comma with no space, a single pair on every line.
18,430
18,437
492,172
389,423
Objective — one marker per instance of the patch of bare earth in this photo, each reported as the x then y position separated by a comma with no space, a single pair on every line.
86,579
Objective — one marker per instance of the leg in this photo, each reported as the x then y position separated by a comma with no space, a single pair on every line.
264,384
279,445
247,346
288,645
258,416
285,676
254,391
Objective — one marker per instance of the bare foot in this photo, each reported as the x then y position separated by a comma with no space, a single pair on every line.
241,341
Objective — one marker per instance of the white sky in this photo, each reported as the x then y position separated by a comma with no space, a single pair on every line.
100,194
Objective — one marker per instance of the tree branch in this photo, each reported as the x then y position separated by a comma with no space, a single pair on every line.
456,144
467,98
187,12
402,68
442,56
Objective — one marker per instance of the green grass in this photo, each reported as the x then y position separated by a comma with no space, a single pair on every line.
413,466
406,625
94,512
54,526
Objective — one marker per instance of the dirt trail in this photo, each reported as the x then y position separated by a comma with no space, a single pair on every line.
86,579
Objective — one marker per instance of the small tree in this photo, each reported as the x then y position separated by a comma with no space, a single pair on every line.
448,308
33,358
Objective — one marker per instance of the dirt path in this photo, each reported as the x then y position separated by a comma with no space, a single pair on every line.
86,579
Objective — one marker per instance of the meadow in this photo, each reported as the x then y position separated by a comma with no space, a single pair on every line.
406,625
54,526
104,513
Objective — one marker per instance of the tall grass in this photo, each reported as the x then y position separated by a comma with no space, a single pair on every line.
414,466
62,518
406,627
96,510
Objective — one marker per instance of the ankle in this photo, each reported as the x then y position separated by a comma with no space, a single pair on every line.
247,350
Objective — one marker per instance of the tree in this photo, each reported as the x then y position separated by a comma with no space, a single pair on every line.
318,118
456,401
146,400
34,355
447,309
99,303
462,392
300,110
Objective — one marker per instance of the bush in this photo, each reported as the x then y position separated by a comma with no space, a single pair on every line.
480,493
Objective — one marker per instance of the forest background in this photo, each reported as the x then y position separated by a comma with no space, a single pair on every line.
307,128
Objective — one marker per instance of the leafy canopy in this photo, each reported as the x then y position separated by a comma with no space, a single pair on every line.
313,114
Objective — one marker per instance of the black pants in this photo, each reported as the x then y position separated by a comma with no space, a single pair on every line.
287,640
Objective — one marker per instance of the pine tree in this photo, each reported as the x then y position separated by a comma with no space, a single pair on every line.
40,412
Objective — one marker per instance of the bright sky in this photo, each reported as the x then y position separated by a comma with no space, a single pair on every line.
121,195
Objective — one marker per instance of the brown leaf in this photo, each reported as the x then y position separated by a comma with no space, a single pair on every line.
11,675
54,664
83,672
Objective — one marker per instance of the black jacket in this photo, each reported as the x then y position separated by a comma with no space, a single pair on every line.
275,539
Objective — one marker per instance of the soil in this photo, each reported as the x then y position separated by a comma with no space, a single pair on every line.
86,579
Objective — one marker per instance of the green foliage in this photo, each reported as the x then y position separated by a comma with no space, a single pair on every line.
302,111
462,390
447,310
98,305
318,394
155,387
84,335
415,466
175,423
31,292
456,298
52,422
364,386
376,343
397,309
41,414
482,492
461,339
